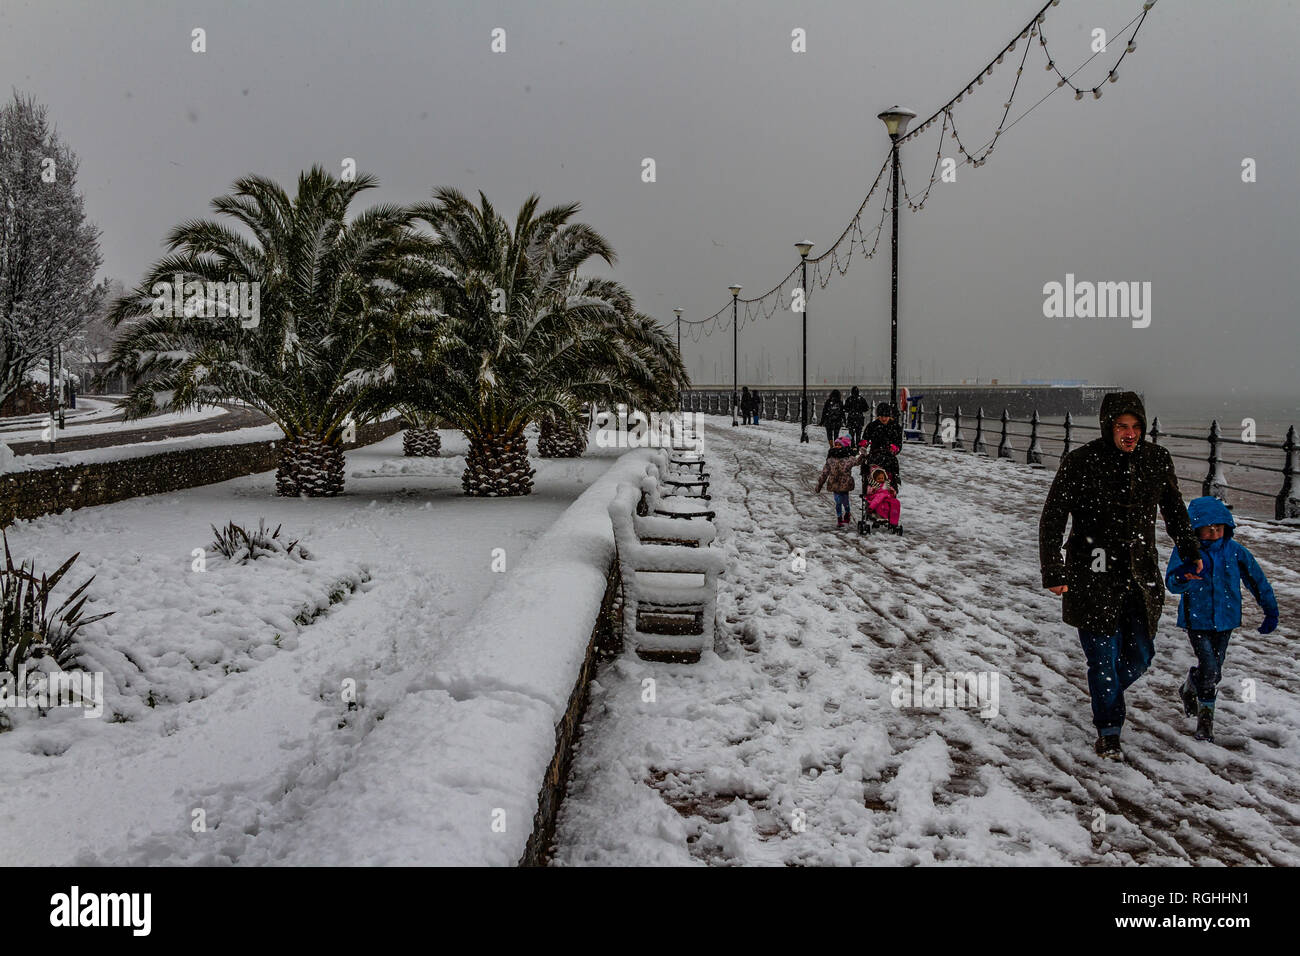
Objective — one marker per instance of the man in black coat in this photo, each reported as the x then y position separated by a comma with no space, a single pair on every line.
833,416
1110,581
855,415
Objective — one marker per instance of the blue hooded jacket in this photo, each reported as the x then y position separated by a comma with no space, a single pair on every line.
1214,602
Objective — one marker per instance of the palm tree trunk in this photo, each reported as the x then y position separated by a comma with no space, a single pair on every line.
309,467
497,466
561,441
420,442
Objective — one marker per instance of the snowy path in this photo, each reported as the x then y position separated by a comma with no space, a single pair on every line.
784,748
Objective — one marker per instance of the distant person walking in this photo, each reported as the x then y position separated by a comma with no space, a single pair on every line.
755,404
833,416
855,415
1110,582
746,405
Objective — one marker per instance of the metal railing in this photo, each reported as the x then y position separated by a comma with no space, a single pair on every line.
783,405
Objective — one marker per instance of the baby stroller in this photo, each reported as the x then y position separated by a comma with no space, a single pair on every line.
872,519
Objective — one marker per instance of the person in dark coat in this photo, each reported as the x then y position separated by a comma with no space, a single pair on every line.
1110,582
746,405
833,416
755,405
855,415
885,436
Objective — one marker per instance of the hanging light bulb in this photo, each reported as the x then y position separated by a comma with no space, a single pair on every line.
1011,49
1132,46
1049,66
1113,76
999,59
1078,94
1149,4
1061,81
981,79
1024,35
1096,92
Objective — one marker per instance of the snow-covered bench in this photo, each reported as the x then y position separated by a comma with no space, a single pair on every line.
669,592
673,478
671,506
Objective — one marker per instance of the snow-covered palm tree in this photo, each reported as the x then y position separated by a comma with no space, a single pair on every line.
327,288
518,336
634,362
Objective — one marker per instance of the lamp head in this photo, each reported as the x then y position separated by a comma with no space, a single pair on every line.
804,248
896,119
735,290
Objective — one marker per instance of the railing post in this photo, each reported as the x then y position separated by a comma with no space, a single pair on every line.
938,417
1035,454
1288,505
1004,445
956,432
977,446
1214,481
1069,425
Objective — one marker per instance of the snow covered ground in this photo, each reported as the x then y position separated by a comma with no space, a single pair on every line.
248,723
784,747
92,423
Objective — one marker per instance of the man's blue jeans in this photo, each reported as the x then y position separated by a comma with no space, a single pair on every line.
1115,661
1211,648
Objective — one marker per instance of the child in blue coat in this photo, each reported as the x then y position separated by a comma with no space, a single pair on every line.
1210,604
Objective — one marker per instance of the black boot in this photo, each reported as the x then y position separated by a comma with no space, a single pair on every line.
1205,724
1188,693
1108,747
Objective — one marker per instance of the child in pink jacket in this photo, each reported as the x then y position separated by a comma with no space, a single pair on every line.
880,498
837,475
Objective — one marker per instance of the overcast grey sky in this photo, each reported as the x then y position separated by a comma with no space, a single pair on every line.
755,146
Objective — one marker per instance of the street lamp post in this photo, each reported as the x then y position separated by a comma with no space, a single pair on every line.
678,313
895,119
735,291
804,248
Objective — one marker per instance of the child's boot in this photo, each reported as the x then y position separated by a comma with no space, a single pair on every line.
1188,693
1205,724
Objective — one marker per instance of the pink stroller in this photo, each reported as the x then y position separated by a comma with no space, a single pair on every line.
880,507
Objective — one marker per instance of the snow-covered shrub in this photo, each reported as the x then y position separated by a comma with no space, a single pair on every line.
241,546
29,630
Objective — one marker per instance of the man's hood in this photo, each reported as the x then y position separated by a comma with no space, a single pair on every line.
1210,510
1115,404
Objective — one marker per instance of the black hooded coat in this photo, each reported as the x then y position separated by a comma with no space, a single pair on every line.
1110,497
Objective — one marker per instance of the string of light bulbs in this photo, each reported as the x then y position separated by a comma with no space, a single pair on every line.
766,304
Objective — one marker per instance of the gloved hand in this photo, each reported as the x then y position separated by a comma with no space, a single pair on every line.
893,449
1269,625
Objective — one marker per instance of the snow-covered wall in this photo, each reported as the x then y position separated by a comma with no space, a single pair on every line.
453,773
150,468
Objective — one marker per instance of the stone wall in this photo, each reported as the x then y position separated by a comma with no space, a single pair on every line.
41,491
605,643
